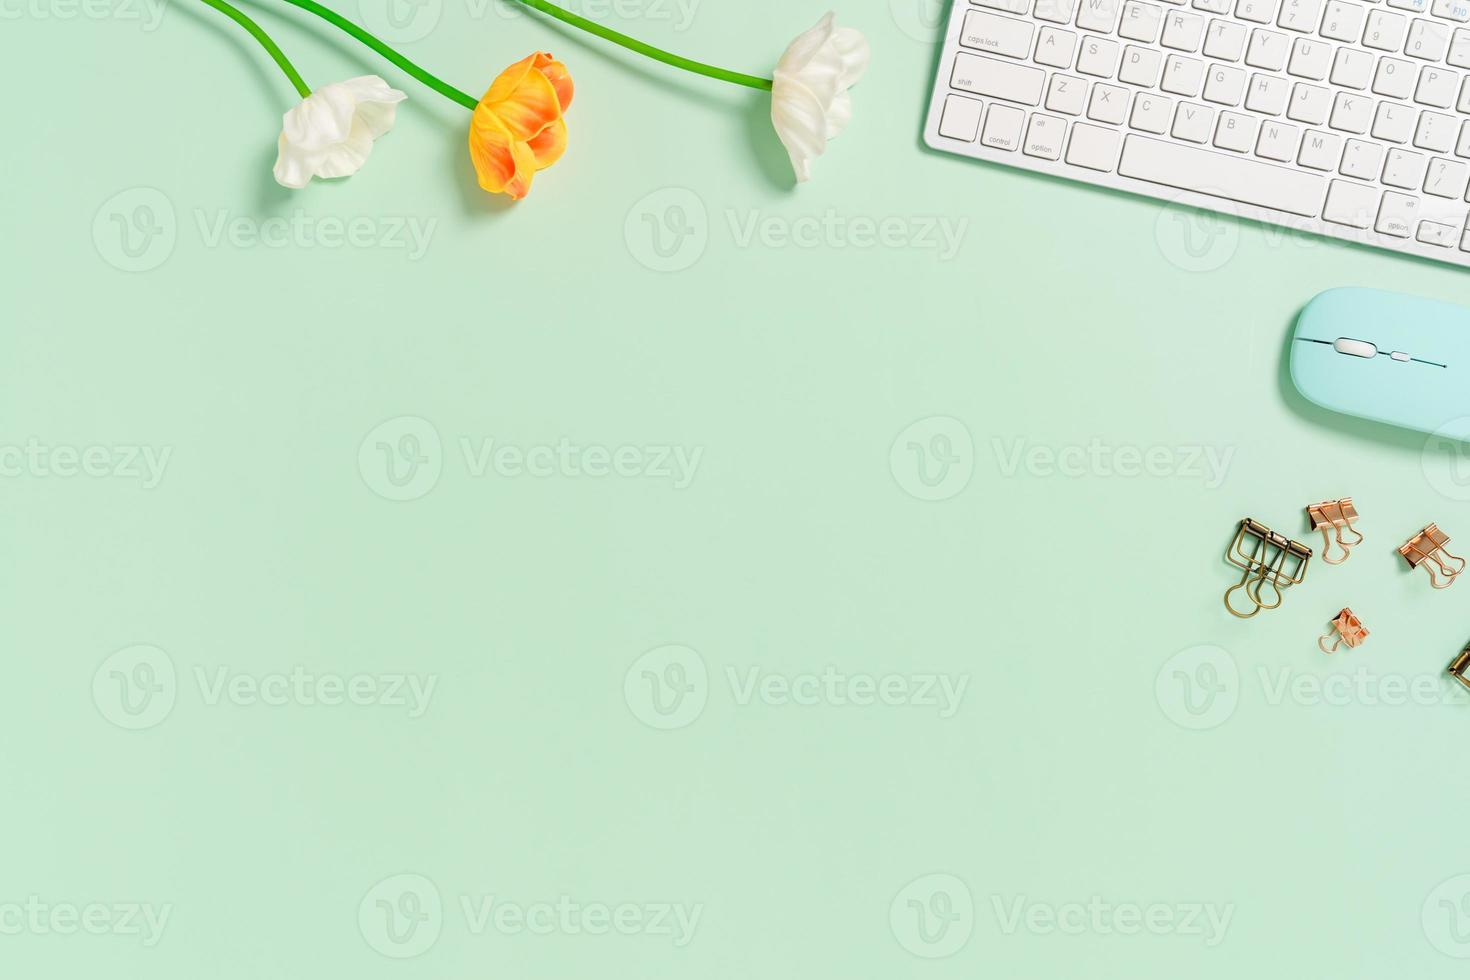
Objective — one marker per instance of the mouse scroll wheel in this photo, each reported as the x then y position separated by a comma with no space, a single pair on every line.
1357,348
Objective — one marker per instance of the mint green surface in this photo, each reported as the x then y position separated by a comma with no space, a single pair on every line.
847,716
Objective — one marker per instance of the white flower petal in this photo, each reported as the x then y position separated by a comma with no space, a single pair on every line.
345,158
331,132
377,103
809,100
324,117
293,167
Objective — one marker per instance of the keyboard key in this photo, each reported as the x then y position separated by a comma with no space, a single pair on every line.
1437,87
1009,6
1098,15
1151,113
1361,159
1354,205
1397,215
1447,178
1236,132
1225,40
1225,85
1404,169
1277,141
1393,122
1385,31
1066,93
1412,6
1141,21
961,119
1463,107
1260,11
1462,148
1343,21
1093,147
1055,48
1054,11
1140,66
1268,94
1299,15
1351,113
1212,6
1434,233
1352,68
1183,32
1267,50
1234,178
1456,10
1428,39
1310,59
1320,151
1459,55
1435,132
1044,137
997,79
1193,122
1003,127
995,34
1108,104
1182,76
1309,104
1394,78
1099,57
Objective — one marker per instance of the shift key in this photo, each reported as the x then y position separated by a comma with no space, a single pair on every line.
997,79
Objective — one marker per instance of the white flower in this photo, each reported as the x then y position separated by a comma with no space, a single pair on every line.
809,100
331,133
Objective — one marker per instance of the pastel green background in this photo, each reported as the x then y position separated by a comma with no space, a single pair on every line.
1080,609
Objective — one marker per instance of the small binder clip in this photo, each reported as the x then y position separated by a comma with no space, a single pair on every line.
1339,515
1459,665
1427,548
1349,630
1270,560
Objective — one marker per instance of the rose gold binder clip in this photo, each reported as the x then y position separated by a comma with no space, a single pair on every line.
1335,515
1269,560
1459,665
1427,548
1349,630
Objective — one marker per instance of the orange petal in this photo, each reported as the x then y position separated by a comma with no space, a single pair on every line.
504,165
524,99
557,74
549,144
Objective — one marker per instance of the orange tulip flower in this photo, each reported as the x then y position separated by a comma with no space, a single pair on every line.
517,128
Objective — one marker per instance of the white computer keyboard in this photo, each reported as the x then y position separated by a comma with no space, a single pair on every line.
1343,118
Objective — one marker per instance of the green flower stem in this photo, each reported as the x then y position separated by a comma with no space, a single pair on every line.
270,46
657,54
338,21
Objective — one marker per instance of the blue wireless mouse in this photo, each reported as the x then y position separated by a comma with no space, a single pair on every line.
1390,357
